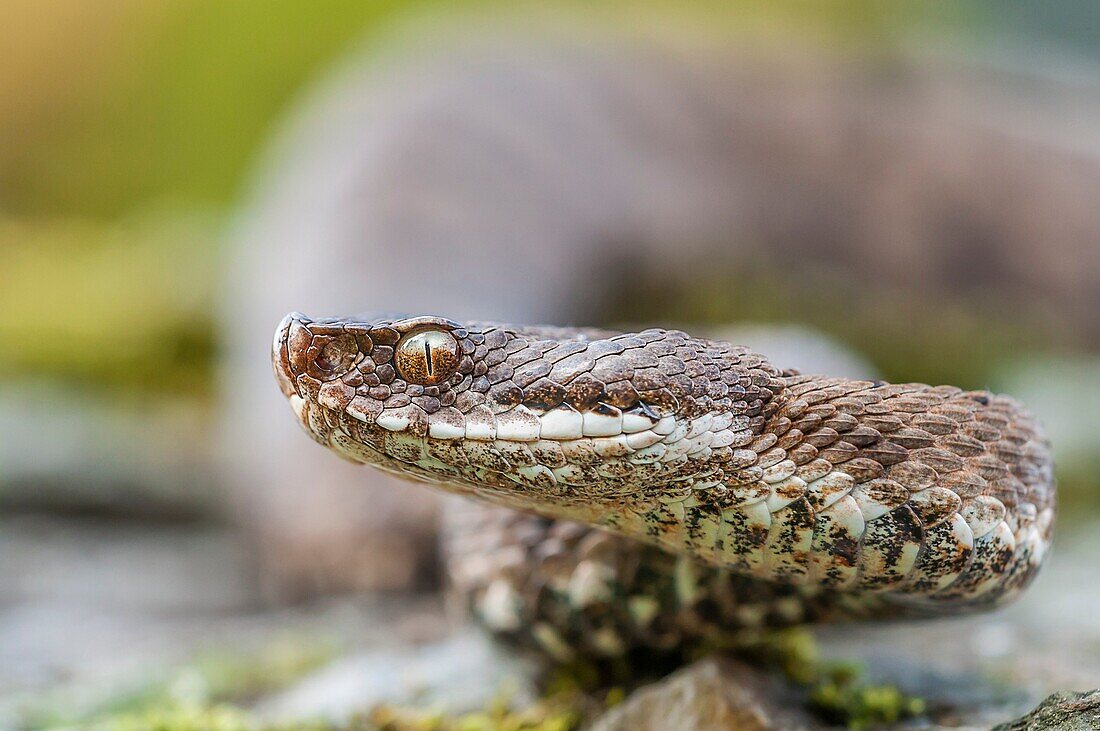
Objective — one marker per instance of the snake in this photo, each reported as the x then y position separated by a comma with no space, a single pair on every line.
653,490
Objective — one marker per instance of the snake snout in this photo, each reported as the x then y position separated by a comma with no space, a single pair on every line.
289,351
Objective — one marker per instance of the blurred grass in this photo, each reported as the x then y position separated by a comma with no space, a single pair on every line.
170,104
124,304
121,103
136,123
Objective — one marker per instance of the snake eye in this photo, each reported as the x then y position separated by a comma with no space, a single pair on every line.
427,357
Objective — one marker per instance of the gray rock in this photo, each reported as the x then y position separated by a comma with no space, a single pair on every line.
710,695
1065,711
462,673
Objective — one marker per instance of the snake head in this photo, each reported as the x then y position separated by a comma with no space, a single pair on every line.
371,370
500,408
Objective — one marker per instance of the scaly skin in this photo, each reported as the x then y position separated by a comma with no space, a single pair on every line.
672,488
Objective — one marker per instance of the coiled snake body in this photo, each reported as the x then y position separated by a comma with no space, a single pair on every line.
654,489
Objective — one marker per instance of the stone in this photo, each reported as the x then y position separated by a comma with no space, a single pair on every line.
711,695
1065,711
460,674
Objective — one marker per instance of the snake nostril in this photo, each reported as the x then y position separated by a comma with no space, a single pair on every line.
325,362
331,356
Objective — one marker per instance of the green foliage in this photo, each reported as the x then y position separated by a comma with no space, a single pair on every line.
179,718
212,694
177,106
181,108
837,691
126,304
841,698
227,676
552,714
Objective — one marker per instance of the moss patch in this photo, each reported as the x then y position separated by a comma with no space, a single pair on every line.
837,691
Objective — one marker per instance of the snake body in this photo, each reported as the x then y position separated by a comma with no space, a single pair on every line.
653,489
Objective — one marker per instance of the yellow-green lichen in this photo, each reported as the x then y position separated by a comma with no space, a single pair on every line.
844,699
178,718
836,690
547,715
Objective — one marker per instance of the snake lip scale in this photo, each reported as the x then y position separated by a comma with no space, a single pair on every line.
640,451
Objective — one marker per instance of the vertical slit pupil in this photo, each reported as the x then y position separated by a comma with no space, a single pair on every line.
428,357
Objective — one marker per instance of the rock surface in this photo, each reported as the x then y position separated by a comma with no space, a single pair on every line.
1063,711
710,695
460,674
715,694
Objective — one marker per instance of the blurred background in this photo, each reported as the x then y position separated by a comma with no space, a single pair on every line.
855,187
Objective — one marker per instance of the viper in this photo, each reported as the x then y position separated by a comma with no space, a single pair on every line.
653,489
